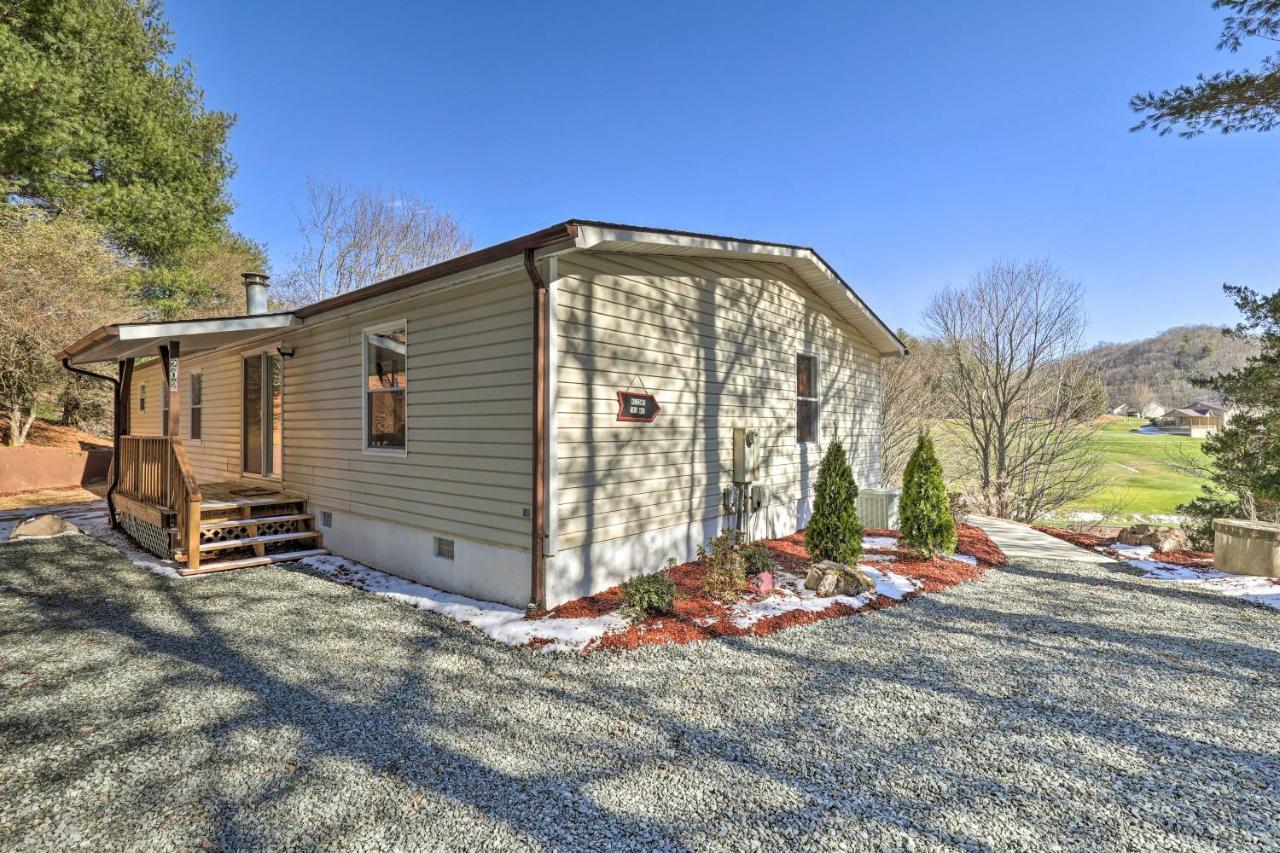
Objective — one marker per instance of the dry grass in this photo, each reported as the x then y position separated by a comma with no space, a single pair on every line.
53,497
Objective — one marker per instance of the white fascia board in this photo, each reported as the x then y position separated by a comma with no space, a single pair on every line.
182,328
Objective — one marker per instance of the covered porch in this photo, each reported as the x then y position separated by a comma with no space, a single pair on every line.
153,494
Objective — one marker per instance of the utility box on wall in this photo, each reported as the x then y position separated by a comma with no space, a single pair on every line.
745,452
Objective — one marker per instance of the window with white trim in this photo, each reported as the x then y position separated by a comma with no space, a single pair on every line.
806,398
197,406
385,386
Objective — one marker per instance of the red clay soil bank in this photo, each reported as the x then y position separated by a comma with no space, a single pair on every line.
695,617
1185,557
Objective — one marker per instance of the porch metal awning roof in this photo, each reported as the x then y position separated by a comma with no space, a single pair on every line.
130,340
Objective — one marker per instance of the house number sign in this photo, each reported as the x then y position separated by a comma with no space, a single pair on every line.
173,374
637,407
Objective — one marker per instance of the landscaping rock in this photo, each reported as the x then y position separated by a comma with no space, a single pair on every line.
42,526
828,579
1160,538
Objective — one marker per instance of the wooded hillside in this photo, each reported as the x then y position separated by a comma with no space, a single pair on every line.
1160,369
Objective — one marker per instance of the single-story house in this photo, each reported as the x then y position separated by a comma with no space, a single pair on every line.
1147,410
1199,420
528,423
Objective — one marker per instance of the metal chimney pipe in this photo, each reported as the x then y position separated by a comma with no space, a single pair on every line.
255,292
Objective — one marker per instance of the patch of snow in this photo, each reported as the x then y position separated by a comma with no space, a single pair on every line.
1259,590
790,595
879,558
964,558
884,543
1132,552
500,622
1087,516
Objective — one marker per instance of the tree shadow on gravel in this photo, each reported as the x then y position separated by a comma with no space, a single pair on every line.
436,701
386,740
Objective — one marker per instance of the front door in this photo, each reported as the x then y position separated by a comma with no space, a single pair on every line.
262,407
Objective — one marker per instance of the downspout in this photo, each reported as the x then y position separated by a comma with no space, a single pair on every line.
537,563
115,432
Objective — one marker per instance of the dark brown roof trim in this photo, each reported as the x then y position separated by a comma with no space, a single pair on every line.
511,248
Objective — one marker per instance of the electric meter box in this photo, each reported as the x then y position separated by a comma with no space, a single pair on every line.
746,443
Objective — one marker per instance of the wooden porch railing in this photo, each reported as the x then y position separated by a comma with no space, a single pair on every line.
154,469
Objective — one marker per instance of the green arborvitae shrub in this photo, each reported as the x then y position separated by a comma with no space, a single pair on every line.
927,523
649,594
724,569
834,532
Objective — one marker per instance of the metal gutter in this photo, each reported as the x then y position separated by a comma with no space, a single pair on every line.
537,561
536,240
115,431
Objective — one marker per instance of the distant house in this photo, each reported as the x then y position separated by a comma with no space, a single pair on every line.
1149,410
1199,420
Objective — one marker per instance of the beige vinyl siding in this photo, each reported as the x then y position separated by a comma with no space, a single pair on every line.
716,342
148,422
468,463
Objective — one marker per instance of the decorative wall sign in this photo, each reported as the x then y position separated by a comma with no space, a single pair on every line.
637,407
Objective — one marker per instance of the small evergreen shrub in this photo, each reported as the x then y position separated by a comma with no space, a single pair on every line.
649,594
928,525
724,567
834,532
1201,512
757,559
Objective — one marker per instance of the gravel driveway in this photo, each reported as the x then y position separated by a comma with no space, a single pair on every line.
1047,706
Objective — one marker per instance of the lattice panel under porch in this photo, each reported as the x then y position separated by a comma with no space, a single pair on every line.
152,539
223,534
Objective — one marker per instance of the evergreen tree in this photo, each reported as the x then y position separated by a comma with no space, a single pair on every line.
834,532
1246,452
927,523
97,119
1226,101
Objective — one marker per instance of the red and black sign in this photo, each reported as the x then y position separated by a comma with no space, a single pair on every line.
637,407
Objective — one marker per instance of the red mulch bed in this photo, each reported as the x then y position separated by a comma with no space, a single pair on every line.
1184,557
692,608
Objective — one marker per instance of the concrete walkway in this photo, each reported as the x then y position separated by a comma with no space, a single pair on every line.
1021,542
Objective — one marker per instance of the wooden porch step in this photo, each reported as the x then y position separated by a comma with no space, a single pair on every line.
219,505
246,562
257,519
265,539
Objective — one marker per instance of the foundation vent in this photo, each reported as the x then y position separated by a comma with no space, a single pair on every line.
326,518
444,548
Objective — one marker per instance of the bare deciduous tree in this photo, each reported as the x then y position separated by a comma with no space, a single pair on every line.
355,237
1014,371
910,405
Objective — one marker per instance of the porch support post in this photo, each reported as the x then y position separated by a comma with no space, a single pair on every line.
169,363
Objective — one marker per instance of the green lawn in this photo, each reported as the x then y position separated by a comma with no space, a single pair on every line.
1137,468
1140,470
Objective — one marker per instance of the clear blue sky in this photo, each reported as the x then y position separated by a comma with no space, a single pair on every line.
911,144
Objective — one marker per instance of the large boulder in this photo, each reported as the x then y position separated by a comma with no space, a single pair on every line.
42,526
828,579
1158,538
